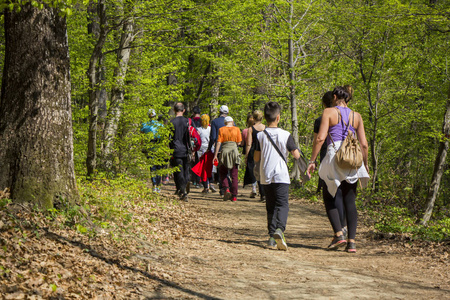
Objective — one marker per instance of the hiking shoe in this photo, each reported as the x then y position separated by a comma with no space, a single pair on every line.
205,191
212,189
184,197
351,247
188,187
234,199
227,195
345,232
338,241
272,243
279,239
252,194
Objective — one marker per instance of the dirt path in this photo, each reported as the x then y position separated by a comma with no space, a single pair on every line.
228,259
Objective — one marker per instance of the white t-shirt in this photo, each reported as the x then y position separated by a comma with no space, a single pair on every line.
273,169
204,135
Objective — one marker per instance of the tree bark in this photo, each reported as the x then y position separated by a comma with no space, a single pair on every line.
117,93
438,165
36,137
94,91
295,174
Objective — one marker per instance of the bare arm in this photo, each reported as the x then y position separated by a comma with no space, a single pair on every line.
257,156
217,150
249,141
295,153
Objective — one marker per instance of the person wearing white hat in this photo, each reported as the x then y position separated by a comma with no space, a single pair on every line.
216,124
229,138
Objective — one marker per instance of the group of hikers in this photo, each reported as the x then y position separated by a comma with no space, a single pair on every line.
209,151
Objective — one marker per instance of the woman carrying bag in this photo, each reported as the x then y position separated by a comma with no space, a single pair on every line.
340,183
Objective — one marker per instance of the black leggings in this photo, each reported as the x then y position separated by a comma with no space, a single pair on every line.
346,196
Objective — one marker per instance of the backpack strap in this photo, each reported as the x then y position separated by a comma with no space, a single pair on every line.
275,145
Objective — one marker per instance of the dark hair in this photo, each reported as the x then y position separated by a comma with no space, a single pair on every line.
349,90
178,107
196,110
327,99
340,93
271,111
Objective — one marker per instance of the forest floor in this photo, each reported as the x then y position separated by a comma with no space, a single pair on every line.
211,249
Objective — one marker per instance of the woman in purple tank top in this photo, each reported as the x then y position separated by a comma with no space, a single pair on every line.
340,184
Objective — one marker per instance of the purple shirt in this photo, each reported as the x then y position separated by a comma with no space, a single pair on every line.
338,132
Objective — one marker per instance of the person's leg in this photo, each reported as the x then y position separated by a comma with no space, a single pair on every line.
158,177
223,177
270,208
262,192
234,180
182,174
349,197
281,204
152,170
186,170
331,209
174,162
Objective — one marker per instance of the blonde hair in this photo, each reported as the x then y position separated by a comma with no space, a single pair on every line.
258,115
205,120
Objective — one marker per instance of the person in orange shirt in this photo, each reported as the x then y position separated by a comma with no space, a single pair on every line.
227,144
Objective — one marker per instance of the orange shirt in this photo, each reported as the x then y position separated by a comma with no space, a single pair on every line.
229,134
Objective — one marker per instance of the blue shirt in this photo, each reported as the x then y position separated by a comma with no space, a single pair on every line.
151,127
216,124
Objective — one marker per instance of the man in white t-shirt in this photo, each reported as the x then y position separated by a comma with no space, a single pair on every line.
272,149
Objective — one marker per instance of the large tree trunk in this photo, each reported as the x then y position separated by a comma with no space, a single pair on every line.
93,74
117,93
36,138
295,174
438,165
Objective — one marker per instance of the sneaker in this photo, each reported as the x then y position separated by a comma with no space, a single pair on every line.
263,199
227,195
338,241
351,247
234,199
280,240
205,191
155,190
184,197
272,243
212,188
252,194
188,187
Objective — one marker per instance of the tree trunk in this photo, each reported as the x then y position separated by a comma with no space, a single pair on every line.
94,91
295,174
438,165
36,138
117,94
373,150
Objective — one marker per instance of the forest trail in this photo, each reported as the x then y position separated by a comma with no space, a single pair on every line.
228,259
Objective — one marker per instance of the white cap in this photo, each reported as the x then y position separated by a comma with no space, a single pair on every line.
223,109
228,119
151,113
